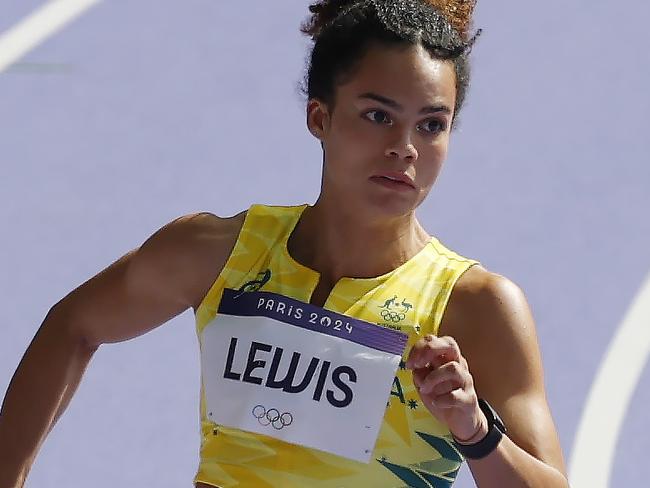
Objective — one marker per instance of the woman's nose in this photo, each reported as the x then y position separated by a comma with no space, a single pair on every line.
402,148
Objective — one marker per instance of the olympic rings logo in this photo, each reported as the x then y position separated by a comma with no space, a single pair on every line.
272,417
392,316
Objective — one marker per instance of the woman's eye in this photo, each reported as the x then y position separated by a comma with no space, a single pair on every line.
433,126
377,116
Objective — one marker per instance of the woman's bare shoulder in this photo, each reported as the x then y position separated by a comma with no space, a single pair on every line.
480,296
203,242
171,271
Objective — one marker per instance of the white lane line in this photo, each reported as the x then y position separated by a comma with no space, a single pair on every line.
37,27
607,403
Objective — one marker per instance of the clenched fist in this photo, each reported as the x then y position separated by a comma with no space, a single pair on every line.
446,387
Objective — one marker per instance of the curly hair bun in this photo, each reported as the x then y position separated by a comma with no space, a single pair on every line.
458,13
323,12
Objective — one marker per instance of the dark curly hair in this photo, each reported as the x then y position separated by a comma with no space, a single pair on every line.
343,30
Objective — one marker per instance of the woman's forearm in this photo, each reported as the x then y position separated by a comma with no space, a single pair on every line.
39,392
509,466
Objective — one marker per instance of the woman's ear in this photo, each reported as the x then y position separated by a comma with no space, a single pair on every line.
318,118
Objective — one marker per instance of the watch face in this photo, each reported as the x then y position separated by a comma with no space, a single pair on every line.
499,423
492,416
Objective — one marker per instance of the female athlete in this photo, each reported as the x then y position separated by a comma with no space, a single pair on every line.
385,84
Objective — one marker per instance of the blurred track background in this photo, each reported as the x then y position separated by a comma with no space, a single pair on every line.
120,116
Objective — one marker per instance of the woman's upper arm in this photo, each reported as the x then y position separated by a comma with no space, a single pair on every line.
491,320
169,273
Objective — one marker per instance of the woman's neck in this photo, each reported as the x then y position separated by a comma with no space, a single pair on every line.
337,242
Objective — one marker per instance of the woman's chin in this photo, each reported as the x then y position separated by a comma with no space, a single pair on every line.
391,206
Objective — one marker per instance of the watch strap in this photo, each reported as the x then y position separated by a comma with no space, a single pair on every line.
487,444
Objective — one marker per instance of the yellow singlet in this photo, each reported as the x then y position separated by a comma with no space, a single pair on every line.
413,449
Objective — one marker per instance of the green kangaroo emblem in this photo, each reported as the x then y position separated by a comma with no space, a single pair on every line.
390,302
262,279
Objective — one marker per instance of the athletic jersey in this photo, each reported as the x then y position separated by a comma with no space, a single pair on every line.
413,449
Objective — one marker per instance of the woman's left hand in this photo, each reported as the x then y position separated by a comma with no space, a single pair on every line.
446,387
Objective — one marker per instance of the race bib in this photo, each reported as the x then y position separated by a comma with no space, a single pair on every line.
290,370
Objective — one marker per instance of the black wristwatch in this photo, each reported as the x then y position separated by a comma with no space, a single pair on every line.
485,446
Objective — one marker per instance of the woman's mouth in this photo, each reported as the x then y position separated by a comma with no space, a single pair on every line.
392,183
394,180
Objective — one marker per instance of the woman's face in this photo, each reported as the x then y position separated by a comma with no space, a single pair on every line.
391,121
